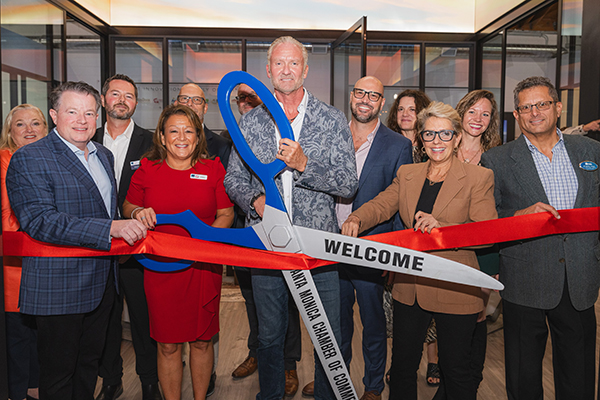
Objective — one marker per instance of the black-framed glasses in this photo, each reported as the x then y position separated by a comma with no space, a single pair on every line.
360,93
445,135
195,99
540,105
246,97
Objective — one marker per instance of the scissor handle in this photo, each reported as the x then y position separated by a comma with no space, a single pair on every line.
266,172
199,230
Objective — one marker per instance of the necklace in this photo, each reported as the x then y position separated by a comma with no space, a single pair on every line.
468,160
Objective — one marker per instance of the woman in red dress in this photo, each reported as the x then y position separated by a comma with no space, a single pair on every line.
174,176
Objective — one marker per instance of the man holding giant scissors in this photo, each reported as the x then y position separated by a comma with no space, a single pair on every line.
320,165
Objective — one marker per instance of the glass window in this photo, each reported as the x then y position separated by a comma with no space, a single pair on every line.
447,73
396,66
83,55
491,70
141,60
346,70
531,46
203,62
31,52
572,17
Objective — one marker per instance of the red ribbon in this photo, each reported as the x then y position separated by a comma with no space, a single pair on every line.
178,247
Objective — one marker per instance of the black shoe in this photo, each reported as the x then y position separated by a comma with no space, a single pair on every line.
211,385
151,392
110,392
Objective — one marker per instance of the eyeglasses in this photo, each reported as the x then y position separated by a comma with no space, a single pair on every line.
196,99
373,96
243,97
445,135
540,105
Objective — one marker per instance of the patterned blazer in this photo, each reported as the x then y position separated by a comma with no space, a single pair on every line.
534,271
56,200
325,139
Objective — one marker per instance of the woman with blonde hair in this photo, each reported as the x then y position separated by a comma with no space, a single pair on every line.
24,124
439,192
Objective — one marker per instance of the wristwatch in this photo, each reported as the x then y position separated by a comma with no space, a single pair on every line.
253,199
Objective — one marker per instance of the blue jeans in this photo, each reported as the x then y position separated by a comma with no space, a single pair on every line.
366,287
271,297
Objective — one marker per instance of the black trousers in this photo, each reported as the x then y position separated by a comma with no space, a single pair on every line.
455,334
69,349
573,350
293,340
131,286
22,356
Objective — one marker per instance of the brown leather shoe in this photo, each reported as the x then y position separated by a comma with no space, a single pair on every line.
309,390
291,383
371,395
246,368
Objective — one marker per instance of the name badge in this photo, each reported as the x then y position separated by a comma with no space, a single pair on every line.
134,165
199,176
588,165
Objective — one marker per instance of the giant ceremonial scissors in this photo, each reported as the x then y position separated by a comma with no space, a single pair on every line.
276,232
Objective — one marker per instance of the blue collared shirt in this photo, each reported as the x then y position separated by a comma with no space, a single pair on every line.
557,176
95,168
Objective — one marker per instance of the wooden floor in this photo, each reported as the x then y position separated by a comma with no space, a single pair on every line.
233,350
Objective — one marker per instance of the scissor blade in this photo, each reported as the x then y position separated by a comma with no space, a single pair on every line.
345,249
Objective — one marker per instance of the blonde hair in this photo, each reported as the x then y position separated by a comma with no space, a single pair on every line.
6,140
435,109
288,39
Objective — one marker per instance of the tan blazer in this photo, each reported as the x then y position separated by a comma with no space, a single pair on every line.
467,195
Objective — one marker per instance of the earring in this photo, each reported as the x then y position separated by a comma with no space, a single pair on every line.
423,149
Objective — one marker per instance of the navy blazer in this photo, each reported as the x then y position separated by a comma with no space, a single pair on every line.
56,200
534,271
218,146
141,141
388,152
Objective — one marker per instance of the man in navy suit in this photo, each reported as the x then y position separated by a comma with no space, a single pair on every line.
63,191
127,142
379,153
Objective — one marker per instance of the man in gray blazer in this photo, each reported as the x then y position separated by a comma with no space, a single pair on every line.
321,166
550,281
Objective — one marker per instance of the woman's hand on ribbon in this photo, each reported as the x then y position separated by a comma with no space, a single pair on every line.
147,216
351,226
425,222
537,208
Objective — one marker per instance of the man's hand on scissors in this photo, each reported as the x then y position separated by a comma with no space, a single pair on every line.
292,155
259,205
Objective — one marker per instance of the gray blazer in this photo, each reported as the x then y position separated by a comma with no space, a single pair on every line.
331,169
533,271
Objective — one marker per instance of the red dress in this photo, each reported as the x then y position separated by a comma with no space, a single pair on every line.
183,305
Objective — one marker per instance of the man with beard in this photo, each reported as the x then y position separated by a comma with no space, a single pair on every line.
320,165
128,142
379,153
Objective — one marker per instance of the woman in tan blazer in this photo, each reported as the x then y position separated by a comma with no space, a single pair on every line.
440,192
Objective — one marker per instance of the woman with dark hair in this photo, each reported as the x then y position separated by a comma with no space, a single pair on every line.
403,113
439,192
174,176
24,124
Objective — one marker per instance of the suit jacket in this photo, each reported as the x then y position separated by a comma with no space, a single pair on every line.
218,146
331,169
533,271
467,195
388,152
56,200
141,141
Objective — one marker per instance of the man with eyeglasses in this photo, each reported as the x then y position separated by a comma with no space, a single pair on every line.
192,95
246,99
551,281
379,153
